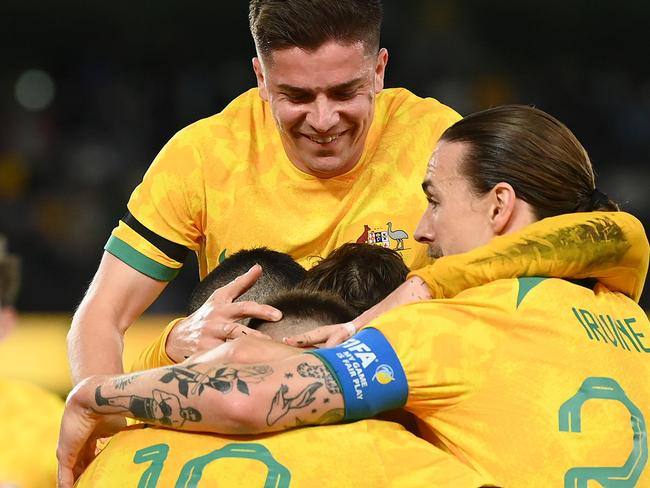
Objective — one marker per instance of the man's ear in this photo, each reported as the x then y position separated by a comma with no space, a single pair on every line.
261,81
502,207
8,319
380,69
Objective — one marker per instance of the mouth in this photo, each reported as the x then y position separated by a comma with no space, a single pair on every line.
324,140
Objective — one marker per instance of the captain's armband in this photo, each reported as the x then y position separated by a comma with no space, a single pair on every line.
368,372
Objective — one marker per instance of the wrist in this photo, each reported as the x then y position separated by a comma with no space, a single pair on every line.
419,287
83,395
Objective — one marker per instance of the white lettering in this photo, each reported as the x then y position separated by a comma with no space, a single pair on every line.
366,358
360,347
357,389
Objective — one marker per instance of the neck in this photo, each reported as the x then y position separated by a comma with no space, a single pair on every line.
522,215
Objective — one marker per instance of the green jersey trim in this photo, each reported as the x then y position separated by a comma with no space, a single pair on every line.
525,285
138,261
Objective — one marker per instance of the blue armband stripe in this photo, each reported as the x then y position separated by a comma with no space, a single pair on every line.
368,372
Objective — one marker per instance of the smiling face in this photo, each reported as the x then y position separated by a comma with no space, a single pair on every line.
323,102
456,219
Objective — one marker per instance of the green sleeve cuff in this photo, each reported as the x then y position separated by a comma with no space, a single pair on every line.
138,261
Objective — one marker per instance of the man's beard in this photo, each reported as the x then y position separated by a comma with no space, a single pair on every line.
434,252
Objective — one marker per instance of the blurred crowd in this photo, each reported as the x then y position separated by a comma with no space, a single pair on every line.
90,92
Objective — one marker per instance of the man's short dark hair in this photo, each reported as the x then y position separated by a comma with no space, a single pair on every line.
303,311
9,275
308,24
280,272
362,274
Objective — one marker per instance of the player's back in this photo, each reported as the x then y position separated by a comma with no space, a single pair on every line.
368,453
536,382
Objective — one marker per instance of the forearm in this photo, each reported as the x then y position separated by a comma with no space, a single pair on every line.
94,345
116,297
216,397
412,290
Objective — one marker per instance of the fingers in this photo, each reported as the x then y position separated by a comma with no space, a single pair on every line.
237,287
65,477
74,433
337,337
311,338
244,310
327,335
67,457
86,456
233,330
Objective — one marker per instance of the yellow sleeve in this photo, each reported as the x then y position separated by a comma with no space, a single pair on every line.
165,211
611,247
155,355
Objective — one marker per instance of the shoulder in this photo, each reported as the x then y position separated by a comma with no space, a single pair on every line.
441,316
233,122
402,103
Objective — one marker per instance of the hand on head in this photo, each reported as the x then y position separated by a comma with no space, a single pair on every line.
412,290
215,321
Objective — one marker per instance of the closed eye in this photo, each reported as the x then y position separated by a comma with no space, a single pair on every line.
345,95
298,97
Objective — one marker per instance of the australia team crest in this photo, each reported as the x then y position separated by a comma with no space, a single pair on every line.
384,237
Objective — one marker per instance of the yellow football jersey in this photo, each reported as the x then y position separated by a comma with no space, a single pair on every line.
28,435
534,382
225,183
609,246
369,453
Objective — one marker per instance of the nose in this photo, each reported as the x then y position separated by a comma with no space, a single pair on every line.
424,232
323,114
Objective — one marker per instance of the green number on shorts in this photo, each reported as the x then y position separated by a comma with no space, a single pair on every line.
157,455
278,476
609,477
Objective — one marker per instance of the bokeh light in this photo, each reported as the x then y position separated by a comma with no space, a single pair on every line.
35,90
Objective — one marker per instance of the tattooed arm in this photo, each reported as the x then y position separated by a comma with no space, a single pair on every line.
204,396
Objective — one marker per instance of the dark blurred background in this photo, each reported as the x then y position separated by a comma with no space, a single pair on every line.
90,91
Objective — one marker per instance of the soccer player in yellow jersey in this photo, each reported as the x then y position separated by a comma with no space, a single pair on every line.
317,155
393,457
29,415
326,457
532,381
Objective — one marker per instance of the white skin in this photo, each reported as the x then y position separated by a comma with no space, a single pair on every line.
323,102
456,220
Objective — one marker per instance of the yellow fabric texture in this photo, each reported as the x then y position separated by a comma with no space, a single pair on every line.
225,183
489,370
155,355
609,246
28,435
369,453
